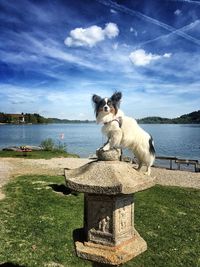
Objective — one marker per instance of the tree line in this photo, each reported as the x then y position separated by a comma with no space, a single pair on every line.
193,117
33,119
23,118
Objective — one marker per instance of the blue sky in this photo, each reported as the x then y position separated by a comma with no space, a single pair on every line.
55,54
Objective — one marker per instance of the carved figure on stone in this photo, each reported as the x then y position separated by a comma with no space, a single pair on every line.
104,224
103,220
122,219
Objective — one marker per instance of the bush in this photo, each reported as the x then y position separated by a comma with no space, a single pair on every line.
49,145
62,147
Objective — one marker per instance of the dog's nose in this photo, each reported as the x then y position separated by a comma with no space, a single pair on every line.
105,108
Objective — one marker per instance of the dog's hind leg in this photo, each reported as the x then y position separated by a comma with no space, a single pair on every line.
148,171
139,166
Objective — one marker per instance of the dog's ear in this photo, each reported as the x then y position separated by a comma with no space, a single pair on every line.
116,96
96,99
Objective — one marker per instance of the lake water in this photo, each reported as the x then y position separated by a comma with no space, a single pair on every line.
170,139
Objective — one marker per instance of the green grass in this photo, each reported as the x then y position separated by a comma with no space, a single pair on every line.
37,154
168,219
36,225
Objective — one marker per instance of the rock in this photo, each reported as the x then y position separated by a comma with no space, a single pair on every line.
109,155
35,148
17,148
12,148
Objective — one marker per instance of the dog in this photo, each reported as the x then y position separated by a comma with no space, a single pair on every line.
123,131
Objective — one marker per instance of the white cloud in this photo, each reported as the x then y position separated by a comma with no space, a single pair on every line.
39,51
167,55
92,35
115,46
141,58
113,11
111,30
177,12
134,31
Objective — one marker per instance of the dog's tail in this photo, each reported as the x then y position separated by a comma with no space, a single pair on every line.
151,146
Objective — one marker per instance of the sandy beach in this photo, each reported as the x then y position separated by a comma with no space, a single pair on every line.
12,167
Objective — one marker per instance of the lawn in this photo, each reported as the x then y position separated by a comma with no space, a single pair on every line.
36,224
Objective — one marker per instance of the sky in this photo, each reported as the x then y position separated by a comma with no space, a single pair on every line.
55,54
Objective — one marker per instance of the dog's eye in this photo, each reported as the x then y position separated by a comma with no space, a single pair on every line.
109,103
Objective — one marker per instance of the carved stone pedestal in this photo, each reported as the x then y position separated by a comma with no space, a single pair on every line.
108,235
109,219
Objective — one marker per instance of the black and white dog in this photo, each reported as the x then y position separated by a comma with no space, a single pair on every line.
123,131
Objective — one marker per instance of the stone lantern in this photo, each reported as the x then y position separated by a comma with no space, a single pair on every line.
108,236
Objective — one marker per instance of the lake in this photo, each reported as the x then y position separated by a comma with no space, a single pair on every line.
170,139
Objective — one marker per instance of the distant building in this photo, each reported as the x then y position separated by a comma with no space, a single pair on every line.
12,118
17,118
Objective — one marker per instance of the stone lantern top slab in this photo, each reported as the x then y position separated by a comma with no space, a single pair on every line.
107,177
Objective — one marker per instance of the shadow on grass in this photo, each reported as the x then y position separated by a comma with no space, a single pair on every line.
9,264
61,188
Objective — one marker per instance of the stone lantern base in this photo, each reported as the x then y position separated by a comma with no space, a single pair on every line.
109,220
108,236
116,255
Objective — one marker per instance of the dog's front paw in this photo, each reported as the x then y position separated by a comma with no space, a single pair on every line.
106,148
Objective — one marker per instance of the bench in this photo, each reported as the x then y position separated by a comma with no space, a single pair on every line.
188,162
167,158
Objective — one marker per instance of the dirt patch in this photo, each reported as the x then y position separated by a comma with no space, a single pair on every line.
5,170
12,167
177,178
